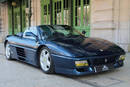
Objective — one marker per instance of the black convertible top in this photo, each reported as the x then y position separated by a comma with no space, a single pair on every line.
56,26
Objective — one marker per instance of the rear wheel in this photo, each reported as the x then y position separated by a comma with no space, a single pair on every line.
8,51
45,60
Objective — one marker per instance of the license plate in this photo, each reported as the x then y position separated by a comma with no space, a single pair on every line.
101,68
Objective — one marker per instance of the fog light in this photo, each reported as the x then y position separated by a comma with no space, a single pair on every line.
122,57
81,63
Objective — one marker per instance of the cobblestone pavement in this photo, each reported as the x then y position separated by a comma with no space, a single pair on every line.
18,74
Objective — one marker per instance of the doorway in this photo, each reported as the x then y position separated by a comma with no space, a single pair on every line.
17,16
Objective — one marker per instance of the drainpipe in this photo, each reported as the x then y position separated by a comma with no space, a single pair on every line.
72,13
21,16
51,11
12,5
12,20
30,13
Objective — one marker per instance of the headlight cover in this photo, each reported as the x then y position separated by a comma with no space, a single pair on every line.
122,57
81,63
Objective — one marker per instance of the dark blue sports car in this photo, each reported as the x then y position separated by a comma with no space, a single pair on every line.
63,49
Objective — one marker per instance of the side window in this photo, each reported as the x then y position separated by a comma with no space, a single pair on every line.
46,31
34,30
29,33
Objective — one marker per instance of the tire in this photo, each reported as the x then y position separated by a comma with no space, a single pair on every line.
45,61
7,51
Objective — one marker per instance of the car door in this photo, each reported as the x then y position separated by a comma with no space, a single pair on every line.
27,51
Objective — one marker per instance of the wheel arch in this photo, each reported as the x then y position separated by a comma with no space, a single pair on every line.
5,43
39,48
38,53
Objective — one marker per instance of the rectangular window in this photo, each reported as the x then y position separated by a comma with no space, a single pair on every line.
58,12
86,14
61,12
17,17
45,11
82,10
81,15
0,19
0,10
27,3
66,12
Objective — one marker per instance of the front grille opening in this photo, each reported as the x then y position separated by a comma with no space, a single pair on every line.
102,61
80,69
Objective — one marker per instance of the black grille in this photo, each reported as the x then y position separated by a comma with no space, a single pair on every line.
20,52
102,61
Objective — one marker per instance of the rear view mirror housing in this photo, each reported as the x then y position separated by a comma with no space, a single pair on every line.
84,32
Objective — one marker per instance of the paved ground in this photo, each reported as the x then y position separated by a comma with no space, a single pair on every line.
18,74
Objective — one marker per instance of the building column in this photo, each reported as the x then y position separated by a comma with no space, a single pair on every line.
4,21
36,12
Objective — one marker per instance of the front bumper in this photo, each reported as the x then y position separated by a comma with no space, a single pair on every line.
66,65
97,69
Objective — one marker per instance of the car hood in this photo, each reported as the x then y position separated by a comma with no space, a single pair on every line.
81,46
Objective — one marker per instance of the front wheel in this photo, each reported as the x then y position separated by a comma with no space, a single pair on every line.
8,51
45,60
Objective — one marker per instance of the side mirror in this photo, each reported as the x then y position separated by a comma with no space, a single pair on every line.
20,34
84,32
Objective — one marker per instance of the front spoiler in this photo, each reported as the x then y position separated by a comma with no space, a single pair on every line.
89,70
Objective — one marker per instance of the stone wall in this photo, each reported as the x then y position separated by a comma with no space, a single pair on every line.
110,19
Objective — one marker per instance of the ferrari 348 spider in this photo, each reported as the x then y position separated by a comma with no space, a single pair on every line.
63,49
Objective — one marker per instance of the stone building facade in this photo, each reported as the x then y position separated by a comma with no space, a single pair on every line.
109,19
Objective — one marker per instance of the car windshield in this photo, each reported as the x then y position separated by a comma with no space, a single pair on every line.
59,31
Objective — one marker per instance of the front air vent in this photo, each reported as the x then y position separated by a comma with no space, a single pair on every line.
20,52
